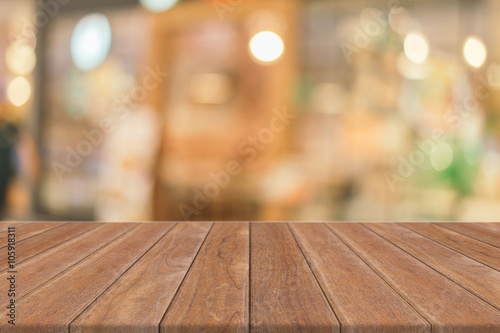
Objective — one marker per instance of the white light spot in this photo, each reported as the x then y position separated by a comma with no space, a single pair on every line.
474,52
19,91
91,41
158,5
266,46
416,47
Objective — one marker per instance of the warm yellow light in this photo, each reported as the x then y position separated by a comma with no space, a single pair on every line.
210,88
474,52
416,47
19,91
266,46
20,58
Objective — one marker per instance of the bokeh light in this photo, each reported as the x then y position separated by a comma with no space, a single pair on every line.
19,91
416,47
411,70
20,58
158,5
210,88
266,46
441,156
474,52
91,41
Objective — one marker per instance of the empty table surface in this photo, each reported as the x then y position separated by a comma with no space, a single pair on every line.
260,277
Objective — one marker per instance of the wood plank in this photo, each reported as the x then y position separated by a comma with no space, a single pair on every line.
480,251
285,296
490,225
214,295
446,305
39,269
5,225
27,230
38,243
53,306
475,231
479,279
137,301
344,277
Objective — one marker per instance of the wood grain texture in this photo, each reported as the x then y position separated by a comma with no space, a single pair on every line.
446,305
490,225
285,296
26,230
5,225
480,251
41,268
151,282
344,277
36,244
265,277
479,279
60,301
475,231
214,295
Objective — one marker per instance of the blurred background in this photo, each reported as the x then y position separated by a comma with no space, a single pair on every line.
344,110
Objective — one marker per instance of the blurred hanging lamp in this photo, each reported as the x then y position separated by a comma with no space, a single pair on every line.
158,5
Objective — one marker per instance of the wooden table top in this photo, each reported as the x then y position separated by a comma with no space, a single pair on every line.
263,277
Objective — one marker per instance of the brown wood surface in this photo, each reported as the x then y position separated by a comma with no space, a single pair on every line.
284,293
446,305
5,225
38,243
151,282
223,262
476,231
262,277
490,225
27,230
345,277
59,302
479,279
43,267
480,251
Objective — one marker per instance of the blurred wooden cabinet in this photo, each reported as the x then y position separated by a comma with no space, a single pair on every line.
216,100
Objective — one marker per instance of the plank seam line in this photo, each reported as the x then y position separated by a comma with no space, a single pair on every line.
76,263
458,284
249,277
118,278
185,276
480,240
55,245
22,240
382,278
315,277
439,243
